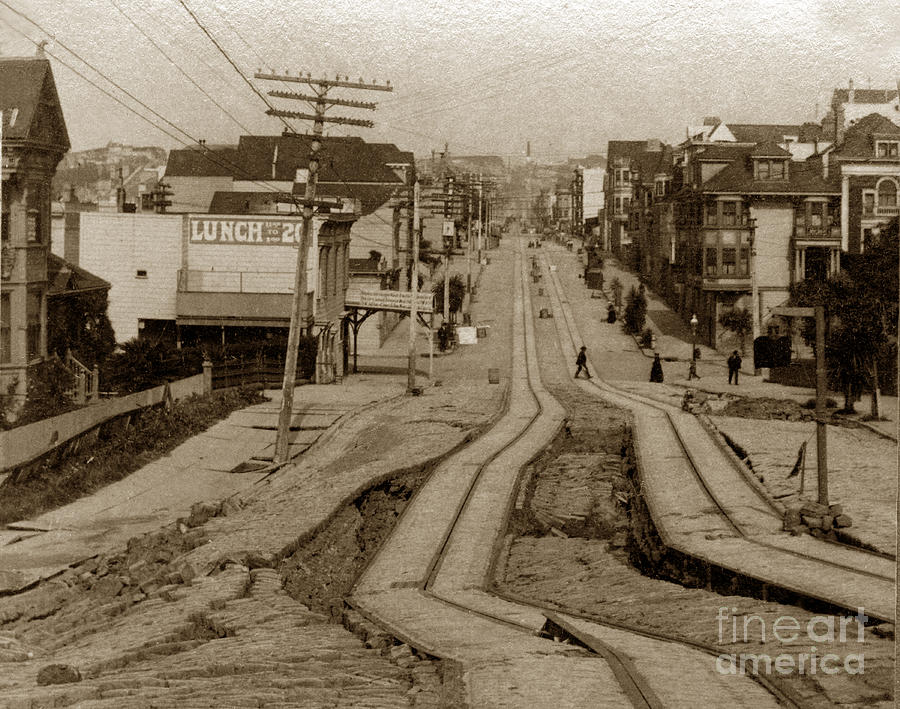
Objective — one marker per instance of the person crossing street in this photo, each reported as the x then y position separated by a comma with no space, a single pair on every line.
581,361
734,366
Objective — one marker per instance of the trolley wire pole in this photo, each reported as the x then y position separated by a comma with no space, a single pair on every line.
320,103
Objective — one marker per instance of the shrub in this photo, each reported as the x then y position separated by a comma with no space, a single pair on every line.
615,285
635,311
740,322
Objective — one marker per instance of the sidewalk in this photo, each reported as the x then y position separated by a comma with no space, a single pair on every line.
673,343
205,467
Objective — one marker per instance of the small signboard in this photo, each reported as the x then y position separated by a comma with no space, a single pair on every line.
467,335
399,301
449,228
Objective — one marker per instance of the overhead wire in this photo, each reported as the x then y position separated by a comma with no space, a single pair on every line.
178,66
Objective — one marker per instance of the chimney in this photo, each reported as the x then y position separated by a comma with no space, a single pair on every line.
712,121
120,194
850,92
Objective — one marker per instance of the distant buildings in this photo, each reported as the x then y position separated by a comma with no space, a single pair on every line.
737,213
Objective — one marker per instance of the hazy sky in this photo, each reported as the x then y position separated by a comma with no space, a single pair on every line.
483,76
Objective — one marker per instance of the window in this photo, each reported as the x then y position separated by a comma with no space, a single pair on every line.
887,193
745,260
33,322
770,169
729,213
729,260
619,205
816,210
868,204
33,221
712,213
777,170
887,148
712,254
625,203
5,329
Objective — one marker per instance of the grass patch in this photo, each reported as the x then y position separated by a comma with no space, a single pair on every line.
119,453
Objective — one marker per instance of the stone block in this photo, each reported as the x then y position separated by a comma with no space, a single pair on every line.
813,509
799,530
792,518
842,520
108,586
813,522
835,510
57,674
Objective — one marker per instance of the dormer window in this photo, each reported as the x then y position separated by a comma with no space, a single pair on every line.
887,148
769,169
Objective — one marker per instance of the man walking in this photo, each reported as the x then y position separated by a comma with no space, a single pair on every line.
734,367
581,361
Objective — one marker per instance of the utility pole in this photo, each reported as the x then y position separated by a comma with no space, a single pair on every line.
413,291
320,103
468,314
821,392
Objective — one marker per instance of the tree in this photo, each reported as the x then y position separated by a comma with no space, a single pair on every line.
635,311
78,323
740,322
861,316
616,287
457,292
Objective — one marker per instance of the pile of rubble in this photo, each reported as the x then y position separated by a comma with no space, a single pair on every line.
816,519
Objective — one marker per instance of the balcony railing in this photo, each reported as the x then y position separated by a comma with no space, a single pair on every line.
830,232
197,281
880,211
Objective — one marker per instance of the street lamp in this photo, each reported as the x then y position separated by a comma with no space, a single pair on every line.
692,372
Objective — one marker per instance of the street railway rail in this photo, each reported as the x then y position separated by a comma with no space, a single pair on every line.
704,506
427,584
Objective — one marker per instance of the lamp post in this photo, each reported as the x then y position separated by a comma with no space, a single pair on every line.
692,372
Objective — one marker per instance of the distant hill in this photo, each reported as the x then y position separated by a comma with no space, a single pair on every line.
94,173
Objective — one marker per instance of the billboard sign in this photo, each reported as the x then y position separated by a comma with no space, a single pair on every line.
389,300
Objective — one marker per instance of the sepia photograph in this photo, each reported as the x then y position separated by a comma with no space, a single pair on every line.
513,354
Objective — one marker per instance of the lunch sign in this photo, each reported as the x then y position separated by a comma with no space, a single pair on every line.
228,230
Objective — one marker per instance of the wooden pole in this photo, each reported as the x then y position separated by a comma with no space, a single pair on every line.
821,391
413,291
282,447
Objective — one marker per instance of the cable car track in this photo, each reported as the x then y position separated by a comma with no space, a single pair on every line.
427,579
567,330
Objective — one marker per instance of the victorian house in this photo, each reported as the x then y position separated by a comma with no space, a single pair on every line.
34,140
750,221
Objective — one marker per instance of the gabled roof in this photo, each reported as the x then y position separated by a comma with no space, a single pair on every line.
864,95
624,149
197,162
720,152
762,132
859,139
30,103
266,158
737,178
769,150
67,279
370,196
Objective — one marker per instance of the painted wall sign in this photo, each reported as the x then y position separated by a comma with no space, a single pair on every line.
228,230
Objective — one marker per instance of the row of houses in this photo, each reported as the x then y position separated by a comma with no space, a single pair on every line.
219,264
736,213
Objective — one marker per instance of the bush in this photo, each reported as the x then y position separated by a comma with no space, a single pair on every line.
48,394
635,311
647,339
740,322
811,403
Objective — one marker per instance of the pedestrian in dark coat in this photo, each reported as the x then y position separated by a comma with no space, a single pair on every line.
656,371
610,313
581,361
734,366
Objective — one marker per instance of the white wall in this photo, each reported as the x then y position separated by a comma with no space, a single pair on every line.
374,231
267,268
855,111
774,227
115,246
592,189
194,194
